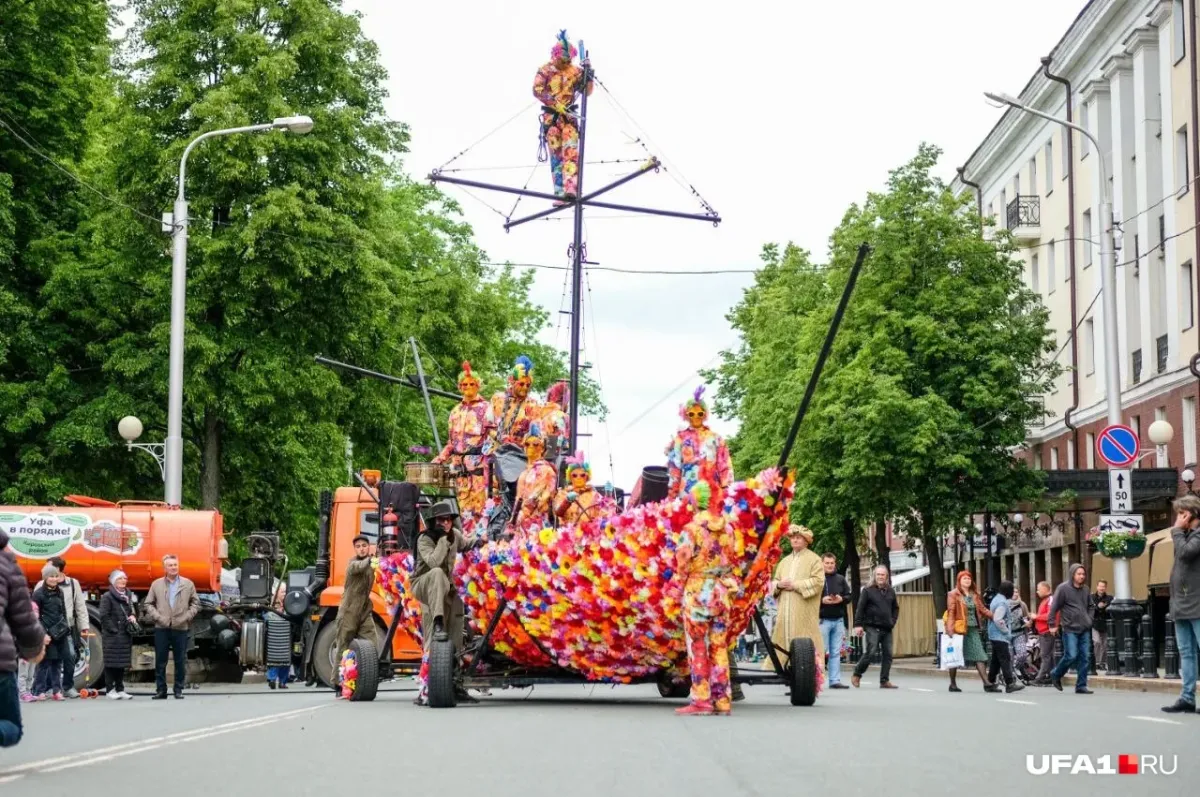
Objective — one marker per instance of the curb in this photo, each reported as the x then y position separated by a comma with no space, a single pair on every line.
1144,685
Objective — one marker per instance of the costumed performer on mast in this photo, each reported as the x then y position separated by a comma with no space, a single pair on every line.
471,426
555,86
704,558
537,484
698,454
579,501
512,408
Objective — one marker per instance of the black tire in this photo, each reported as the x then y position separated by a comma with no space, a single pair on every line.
92,675
672,689
802,666
441,675
323,651
366,656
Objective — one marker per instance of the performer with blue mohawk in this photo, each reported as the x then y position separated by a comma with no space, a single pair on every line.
537,485
512,408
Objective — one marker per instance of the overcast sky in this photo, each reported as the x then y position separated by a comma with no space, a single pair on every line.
780,116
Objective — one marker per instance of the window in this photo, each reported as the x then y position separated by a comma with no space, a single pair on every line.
1181,160
1189,430
1177,30
1071,456
1049,166
1016,185
1091,451
1004,207
1054,459
1089,343
1033,174
1187,294
1034,277
1084,143
1087,238
1050,267
1037,458
1161,455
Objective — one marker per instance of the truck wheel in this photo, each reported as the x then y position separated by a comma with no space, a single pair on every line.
802,665
323,654
441,675
671,688
366,656
89,671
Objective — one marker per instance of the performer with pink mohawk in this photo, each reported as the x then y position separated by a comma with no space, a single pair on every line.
471,427
579,502
552,414
698,454
556,85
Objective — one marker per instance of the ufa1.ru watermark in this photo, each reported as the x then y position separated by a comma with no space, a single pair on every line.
1101,765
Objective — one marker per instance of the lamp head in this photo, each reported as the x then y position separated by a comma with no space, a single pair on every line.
1019,518
1188,476
1161,433
294,124
130,428
1002,98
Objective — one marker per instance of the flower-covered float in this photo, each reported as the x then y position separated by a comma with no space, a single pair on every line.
598,601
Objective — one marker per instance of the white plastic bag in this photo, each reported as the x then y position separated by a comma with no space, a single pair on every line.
952,652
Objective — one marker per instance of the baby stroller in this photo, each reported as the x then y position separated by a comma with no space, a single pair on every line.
1026,658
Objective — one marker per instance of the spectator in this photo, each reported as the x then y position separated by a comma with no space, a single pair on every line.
171,605
77,618
117,624
833,618
1071,616
1000,633
966,613
1185,597
1041,624
21,636
877,613
1102,600
1020,624
26,670
279,675
52,609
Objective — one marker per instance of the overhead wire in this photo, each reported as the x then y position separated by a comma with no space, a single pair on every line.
489,134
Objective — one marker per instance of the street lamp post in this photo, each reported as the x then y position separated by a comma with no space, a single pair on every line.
173,468
130,428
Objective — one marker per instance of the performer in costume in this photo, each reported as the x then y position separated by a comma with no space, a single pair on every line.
512,408
797,585
471,426
698,454
704,559
536,487
555,86
552,415
579,501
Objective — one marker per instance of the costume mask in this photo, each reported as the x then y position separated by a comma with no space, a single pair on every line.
468,383
521,387
520,380
534,449
694,410
563,51
579,479
696,416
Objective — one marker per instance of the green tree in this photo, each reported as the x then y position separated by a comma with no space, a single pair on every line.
933,379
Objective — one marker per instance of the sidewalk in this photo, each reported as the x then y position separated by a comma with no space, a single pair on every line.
924,666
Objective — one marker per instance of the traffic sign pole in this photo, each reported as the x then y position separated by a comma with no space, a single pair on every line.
1118,446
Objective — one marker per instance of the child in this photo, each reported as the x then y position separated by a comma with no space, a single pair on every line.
26,669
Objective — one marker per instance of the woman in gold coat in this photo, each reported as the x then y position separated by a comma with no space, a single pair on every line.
797,585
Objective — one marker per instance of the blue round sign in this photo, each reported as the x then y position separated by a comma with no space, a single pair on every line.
1118,445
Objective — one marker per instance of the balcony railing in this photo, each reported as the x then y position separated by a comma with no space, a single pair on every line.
1160,346
1137,367
1025,211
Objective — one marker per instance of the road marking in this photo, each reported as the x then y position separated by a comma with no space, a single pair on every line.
143,745
918,689
11,778
1016,702
1156,719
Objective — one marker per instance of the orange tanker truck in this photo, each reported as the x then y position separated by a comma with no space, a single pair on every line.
96,537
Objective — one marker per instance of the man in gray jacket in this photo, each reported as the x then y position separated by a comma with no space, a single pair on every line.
1185,597
171,604
1071,616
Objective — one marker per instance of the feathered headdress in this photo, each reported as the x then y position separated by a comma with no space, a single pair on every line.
535,432
697,400
561,48
522,367
703,494
579,462
466,373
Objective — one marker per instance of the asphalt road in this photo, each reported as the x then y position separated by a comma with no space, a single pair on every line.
603,741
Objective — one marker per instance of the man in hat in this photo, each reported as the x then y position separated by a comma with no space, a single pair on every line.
432,582
797,585
470,430
356,615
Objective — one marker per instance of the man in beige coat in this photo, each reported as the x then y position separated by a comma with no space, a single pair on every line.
171,605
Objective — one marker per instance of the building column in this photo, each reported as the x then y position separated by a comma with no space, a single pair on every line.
1118,71
1142,47
1160,17
1097,99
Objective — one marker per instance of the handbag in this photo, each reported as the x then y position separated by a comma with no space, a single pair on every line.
59,630
952,652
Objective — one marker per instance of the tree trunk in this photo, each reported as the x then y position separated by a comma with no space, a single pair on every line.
210,462
850,548
882,551
937,575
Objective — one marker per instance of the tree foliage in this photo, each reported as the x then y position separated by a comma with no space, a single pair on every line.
933,379
298,246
